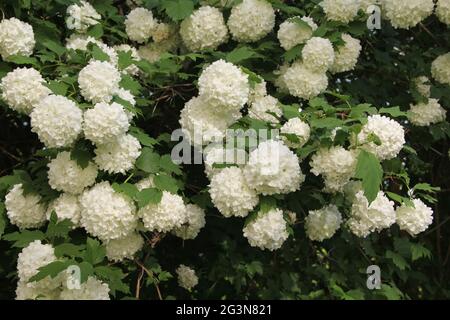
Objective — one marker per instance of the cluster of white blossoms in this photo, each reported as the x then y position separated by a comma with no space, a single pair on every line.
92,289
251,20
443,11
217,154
57,121
66,206
406,14
414,219
81,42
266,109
440,69
195,221
425,114
336,165
292,33
267,231
422,85
81,17
64,174
23,88
346,56
24,210
131,69
297,128
204,29
322,224
390,133
187,278
98,81
139,24
16,38
318,54
340,10
124,248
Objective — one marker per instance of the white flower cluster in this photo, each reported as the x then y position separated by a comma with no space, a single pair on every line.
443,11
92,289
340,10
425,114
414,219
98,81
322,224
406,14
336,165
267,230
131,69
16,37
251,20
440,69
24,210
299,129
187,278
292,33
66,206
165,42
318,54
217,154
264,109
81,17
139,24
422,85
81,41
204,29
124,248
195,221
346,56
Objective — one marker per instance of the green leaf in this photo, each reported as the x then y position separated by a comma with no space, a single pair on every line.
95,31
82,153
128,189
69,250
393,112
22,239
326,123
125,59
178,9
143,138
95,252
242,54
113,276
148,161
51,270
58,229
86,270
418,251
147,196
97,53
168,165
293,53
166,182
54,47
398,260
22,60
291,111
58,88
128,83
369,170
267,203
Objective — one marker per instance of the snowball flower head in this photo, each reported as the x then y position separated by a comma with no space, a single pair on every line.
299,128
224,86
118,155
405,14
162,32
346,56
23,88
263,108
66,206
27,291
251,20
292,32
124,248
440,69
267,231
139,24
92,289
16,37
272,168
422,85
166,215
64,174
230,193
194,222
416,219
216,154
318,54
322,224
82,41
204,29
340,10
424,114
107,214
81,17
187,278
390,133
24,210
131,69
302,82
98,81
365,218
57,121
443,11
105,122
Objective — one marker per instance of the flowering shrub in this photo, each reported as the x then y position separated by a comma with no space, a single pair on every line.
224,149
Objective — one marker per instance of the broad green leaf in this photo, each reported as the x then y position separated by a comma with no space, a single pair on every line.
51,270
242,54
22,239
165,182
130,190
54,46
398,260
369,170
147,196
178,9
148,161
114,277
95,252
58,88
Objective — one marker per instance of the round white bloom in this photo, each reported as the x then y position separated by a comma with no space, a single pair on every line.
166,215
57,121
318,54
98,81
440,69
322,224
340,10
162,32
257,92
152,52
139,24
81,42
262,108
424,114
296,127
272,168
292,33
23,88
216,154
66,206
230,193
16,37
267,231
365,218
304,83
124,248
27,291
443,11
415,219
92,289
24,210
224,86
64,174
187,278
107,214
336,165
390,133
195,222
251,20
118,155
346,56
131,69
422,85
202,124
80,18
105,122
405,14
204,29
